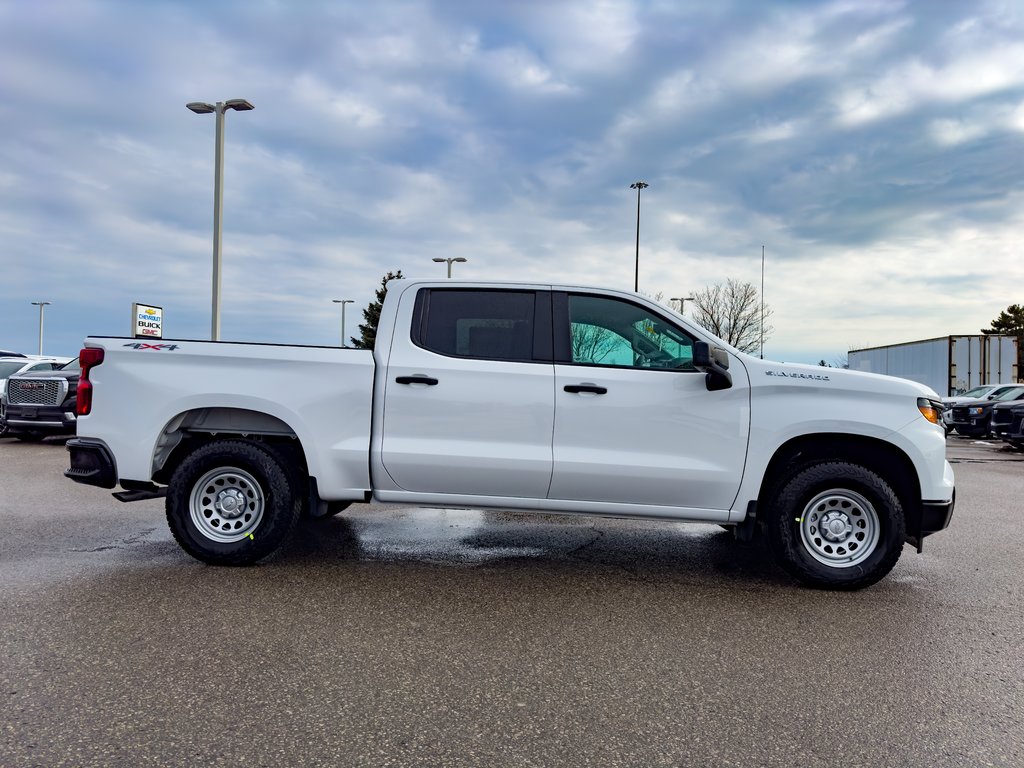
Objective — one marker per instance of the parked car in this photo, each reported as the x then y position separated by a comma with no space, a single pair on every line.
42,403
15,365
1008,422
984,392
973,417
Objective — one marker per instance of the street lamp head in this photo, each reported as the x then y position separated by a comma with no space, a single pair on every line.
439,260
201,107
459,260
240,105
342,301
639,185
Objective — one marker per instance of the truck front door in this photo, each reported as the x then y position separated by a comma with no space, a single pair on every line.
634,421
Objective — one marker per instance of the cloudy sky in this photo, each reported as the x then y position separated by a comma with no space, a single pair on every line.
875,148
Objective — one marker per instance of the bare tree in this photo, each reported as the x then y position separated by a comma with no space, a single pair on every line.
592,343
732,311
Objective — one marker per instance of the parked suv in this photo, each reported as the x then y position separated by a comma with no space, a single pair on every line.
15,365
984,392
42,403
973,417
1008,422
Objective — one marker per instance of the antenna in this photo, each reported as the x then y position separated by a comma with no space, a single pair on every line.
762,302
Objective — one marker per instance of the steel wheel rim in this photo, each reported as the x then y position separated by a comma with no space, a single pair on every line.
226,504
840,528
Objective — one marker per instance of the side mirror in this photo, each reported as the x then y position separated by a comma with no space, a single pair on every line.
714,361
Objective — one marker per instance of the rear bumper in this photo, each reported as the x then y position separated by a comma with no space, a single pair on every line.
91,464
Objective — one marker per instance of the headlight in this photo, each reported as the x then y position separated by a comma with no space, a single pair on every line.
975,410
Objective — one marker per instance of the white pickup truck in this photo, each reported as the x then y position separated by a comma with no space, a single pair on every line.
555,399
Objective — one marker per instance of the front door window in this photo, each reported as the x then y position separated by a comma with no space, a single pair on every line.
605,331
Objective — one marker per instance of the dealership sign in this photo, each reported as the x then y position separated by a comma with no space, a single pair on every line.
147,321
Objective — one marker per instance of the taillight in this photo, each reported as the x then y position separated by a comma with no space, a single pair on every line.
88,358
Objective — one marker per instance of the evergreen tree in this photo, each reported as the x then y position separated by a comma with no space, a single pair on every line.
1011,323
368,329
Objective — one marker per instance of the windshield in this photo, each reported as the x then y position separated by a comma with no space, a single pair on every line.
10,368
1011,394
977,392
71,366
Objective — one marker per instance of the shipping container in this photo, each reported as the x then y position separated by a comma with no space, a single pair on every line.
949,364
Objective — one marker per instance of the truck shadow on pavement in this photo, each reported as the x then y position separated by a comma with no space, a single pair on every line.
473,538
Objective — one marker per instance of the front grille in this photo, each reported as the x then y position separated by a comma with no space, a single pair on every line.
29,391
1001,416
959,414
1007,421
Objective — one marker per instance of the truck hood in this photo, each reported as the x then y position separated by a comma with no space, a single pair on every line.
765,373
58,374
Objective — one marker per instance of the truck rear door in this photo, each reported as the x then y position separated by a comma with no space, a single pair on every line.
469,394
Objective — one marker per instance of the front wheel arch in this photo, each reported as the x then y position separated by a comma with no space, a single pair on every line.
878,456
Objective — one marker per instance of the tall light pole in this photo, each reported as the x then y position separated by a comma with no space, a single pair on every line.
202,108
343,302
638,185
454,259
40,304
682,303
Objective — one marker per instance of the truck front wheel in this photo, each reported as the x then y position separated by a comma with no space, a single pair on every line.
231,502
836,525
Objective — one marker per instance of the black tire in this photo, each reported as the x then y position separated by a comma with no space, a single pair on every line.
864,513
231,502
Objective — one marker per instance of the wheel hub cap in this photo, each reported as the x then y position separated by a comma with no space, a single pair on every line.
226,504
836,526
231,502
839,528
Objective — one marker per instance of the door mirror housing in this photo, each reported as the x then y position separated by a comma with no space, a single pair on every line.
714,361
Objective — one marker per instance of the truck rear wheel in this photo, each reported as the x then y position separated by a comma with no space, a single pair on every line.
836,525
231,502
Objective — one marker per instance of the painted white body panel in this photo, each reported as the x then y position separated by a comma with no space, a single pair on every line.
502,434
323,394
656,438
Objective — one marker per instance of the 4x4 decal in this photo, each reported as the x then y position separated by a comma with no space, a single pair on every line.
158,347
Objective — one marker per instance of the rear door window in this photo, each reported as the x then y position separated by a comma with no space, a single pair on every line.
481,324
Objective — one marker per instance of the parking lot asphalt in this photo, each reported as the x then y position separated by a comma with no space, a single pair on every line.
442,637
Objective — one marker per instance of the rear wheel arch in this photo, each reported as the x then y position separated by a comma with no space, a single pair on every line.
192,429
